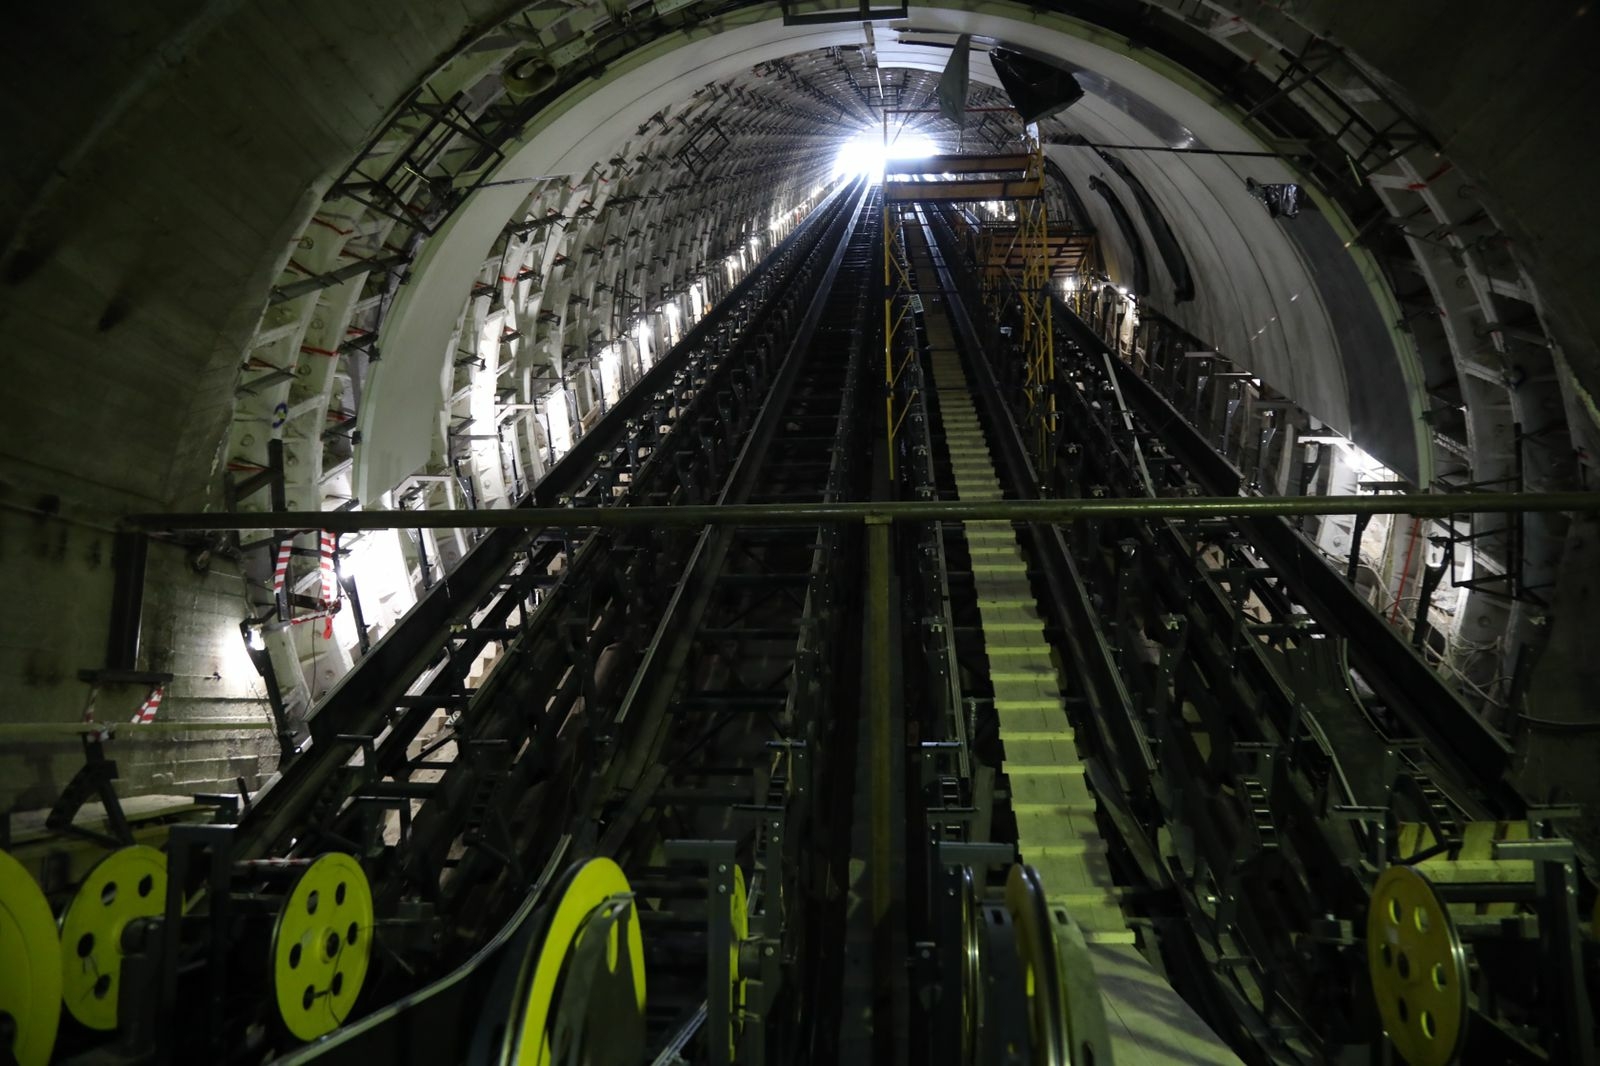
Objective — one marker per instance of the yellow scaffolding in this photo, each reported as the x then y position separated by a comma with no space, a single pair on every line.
956,178
1018,259
1038,336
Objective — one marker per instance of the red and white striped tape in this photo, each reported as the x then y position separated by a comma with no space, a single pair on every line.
330,583
147,710
280,572
312,616
101,734
328,545
327,629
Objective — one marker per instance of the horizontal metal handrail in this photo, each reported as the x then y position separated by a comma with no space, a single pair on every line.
1430,505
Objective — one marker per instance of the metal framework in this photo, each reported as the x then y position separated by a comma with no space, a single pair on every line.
966,178
1033,294
1430,505
899,324
1170,629
779,702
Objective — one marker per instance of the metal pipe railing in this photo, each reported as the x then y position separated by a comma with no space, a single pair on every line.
1432,505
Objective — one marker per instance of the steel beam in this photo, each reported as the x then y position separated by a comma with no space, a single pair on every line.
1431,505
958,164
961,191
880,691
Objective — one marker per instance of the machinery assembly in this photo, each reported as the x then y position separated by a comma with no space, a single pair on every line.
918,653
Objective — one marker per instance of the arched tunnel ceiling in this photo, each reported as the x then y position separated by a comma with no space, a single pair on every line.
693,164
221,129
1268,313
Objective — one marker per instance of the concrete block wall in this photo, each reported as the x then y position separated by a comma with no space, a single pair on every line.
192,632
57,577
58,627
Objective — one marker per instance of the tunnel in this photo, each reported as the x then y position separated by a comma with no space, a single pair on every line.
411,276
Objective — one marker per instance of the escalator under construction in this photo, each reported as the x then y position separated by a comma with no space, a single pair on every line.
1043,784
948,710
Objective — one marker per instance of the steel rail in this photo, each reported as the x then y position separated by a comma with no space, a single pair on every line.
1436,505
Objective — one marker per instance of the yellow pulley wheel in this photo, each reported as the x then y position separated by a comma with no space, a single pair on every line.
30,964
1041,974
1419,971
321,946
129,883
589,889
739,916
1066,1014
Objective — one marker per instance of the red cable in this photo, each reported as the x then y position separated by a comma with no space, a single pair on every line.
336,229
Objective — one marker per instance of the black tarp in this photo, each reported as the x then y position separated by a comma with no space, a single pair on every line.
1037,89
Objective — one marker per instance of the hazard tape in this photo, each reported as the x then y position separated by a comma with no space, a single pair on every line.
280,572
330,583
101,734
147,710
327,630
328,547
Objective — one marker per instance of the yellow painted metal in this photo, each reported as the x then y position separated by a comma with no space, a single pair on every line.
321,946
1069,252
129,883
1041,969
70,858
1418,968
1038,334
959,163
1066,1013
968,191
1474,863
739,915
1017,262
596,883
30,964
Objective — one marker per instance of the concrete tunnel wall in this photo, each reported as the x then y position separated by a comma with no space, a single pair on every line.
1286,298
1267,293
